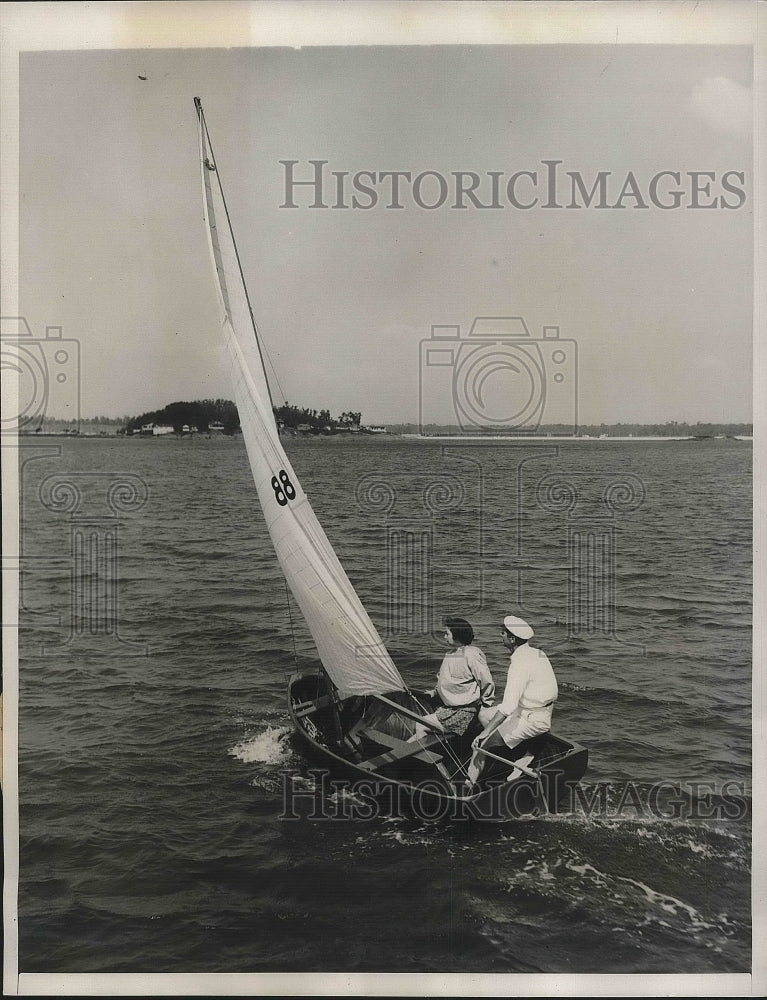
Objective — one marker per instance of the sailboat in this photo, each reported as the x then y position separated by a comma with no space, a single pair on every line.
354,711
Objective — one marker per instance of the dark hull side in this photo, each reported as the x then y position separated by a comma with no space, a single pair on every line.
428,785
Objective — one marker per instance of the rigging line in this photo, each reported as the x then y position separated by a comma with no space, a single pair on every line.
553,760
261,348
454,759
443,740
292,633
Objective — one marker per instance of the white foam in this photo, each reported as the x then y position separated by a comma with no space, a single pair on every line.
265,748
670,904
303,784
344,795
586,869
699,848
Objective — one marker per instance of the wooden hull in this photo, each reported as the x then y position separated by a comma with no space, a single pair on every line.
426,778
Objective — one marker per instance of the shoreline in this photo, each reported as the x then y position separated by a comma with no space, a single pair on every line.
389,437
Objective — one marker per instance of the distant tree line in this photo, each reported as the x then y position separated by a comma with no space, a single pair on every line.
198,415
293,417
669,429
202,413
45,423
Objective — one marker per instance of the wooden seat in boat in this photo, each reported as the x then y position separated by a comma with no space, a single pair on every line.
401,750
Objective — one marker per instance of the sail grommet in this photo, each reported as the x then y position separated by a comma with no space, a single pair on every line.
209,165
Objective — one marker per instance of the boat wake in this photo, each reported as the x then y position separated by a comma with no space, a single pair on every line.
269,747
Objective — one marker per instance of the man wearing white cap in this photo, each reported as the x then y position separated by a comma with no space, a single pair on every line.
531,690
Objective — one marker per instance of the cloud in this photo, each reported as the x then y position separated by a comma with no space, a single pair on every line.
724,104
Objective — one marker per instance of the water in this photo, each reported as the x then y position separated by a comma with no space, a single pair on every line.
153,761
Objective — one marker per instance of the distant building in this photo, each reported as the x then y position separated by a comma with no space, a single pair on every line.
376,429
216,427
155,430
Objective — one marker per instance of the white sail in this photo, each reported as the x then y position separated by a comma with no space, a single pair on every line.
348,644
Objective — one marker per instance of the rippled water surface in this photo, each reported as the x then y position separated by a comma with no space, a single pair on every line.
154,738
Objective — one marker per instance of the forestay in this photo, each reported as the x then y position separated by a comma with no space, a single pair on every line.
348,643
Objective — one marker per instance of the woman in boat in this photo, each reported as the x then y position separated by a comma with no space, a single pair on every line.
464,683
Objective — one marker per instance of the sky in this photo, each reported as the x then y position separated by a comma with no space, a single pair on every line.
654,305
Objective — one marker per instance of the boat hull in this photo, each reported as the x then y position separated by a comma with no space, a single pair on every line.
430,789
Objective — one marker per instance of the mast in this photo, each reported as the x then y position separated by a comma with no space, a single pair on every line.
349,646
211,165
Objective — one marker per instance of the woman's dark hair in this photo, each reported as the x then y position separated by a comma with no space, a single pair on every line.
463,633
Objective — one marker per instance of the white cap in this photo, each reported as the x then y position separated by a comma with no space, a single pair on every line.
518,627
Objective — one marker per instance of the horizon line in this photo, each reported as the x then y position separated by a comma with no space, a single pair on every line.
478,429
